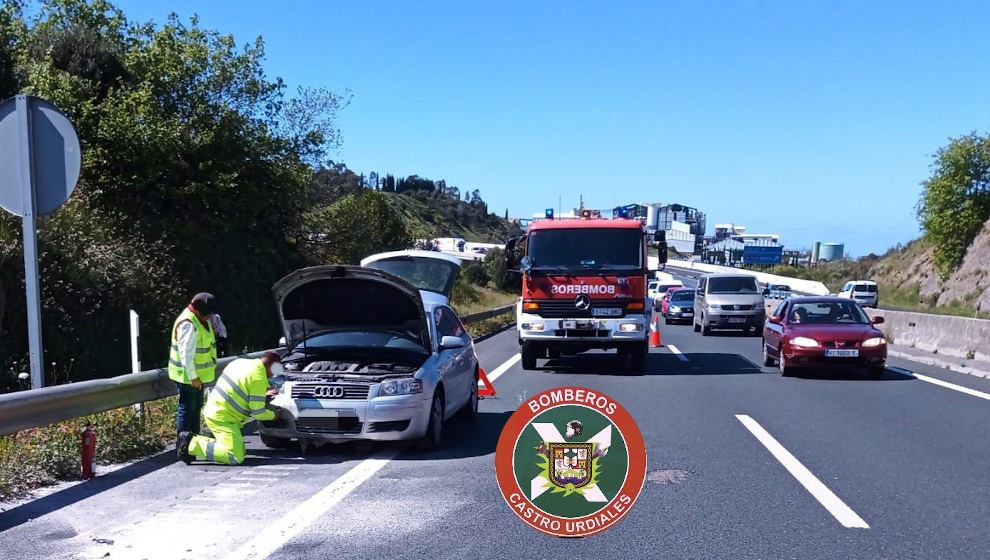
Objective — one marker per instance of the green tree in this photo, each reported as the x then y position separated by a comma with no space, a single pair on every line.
955,200
358,225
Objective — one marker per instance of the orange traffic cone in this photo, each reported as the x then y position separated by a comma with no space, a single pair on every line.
655,337
489,389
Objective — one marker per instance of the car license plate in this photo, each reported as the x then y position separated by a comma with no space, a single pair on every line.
842,353
737,319
688,314
606,311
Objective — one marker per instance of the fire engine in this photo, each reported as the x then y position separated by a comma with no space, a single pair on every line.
583,287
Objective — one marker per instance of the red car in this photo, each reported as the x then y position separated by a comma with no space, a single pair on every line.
815,331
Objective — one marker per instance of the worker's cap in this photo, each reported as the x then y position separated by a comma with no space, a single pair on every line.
204,303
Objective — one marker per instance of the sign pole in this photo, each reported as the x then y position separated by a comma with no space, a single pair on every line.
135,358
31,276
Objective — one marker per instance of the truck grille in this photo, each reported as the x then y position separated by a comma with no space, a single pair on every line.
330,391
559,309
737,307
329,425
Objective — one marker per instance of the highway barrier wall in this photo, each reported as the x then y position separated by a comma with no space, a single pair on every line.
810,287
959,337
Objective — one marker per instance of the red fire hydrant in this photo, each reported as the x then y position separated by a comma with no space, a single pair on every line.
89,452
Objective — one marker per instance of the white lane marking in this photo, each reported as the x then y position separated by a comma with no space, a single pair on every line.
256,478
843,513
277,467
677,353
294,522
497,372
947,385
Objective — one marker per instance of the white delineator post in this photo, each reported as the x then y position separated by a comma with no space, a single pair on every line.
135,358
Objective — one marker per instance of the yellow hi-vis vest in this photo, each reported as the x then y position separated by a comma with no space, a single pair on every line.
206,351
239,395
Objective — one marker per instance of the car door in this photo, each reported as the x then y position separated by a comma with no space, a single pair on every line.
773,333
456,364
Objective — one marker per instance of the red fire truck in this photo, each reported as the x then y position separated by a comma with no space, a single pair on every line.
583,287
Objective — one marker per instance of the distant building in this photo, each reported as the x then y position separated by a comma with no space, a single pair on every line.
730,240
671,218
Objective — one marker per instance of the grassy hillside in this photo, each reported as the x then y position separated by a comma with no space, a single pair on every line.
428,215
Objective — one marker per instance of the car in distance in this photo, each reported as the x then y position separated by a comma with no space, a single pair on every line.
663,287
806,332
372,352
679,306
728,301
665,299
651,289
777,291
864,292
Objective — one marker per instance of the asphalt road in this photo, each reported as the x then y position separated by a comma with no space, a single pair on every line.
909,459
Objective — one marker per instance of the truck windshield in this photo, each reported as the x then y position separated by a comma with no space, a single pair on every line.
586,249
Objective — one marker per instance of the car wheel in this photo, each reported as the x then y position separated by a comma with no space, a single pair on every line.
528,356
276,442
767,359
434,430
785,370
470,409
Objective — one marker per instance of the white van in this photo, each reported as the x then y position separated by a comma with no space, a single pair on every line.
864,292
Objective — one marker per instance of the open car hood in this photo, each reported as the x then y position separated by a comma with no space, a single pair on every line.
432,272
338,297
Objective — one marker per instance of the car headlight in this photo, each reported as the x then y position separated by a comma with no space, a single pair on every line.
405,386
533,326
673,308
630,327
875,341
713,306
804,342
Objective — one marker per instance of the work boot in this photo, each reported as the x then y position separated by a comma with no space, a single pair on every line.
182,447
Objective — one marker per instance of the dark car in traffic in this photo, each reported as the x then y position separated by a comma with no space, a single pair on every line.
808,332
679,306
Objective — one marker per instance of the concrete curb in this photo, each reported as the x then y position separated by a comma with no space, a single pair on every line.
942,363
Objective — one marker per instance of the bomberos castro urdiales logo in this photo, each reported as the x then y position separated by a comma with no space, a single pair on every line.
570,462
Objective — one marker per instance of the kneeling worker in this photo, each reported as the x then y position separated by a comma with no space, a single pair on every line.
239,396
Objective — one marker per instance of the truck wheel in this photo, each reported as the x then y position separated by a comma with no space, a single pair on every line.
528,356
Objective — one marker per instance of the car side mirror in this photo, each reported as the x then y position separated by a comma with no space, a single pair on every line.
877,320
775,319
451,342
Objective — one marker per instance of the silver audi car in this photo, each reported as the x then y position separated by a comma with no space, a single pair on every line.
372,352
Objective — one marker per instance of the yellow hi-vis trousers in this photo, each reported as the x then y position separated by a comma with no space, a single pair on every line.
225,447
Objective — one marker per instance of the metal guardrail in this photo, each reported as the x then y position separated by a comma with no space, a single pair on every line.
38,407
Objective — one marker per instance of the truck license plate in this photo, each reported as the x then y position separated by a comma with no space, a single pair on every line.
842,353
606,311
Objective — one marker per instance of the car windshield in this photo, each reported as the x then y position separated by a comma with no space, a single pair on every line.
359,339
733,285
817,313
584,249
430,274
682,295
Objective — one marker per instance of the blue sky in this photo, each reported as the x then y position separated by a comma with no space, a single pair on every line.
815,120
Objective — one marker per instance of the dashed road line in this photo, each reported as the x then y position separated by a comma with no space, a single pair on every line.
497,372
294,522
843,513
677,353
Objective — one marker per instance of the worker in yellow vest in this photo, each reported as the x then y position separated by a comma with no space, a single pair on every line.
240,396
192,360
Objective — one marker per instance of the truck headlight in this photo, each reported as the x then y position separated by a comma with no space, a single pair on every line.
405,386
630,327
875,341
533,326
